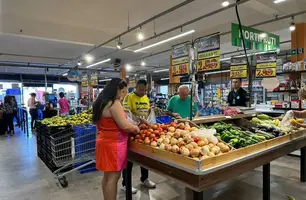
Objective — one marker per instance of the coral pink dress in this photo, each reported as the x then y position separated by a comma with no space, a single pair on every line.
111,146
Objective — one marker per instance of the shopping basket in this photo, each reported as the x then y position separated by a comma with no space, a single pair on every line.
72,151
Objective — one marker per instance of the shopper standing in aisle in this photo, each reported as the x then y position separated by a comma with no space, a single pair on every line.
112,139
238,96
138,104
9,114
179,105
15,110
64,105
32,104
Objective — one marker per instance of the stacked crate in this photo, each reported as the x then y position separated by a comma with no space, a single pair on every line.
85,143
44,143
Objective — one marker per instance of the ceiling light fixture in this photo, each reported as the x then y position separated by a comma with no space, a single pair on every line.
225,3
89,58
166,40
278,1
143,63
119,44
263,35
162,70
104,80
128,67
65,74
79,63
140,35
98,63
163,79
217,72
292,25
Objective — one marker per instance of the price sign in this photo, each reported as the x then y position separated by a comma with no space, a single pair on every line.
208,64
180,69
180,59
266,65
266,72
238,74
208,48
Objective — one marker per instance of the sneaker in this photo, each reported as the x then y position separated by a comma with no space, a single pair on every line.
134,190
149,184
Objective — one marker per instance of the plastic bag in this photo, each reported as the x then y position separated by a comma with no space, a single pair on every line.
132,119
286,120
152,117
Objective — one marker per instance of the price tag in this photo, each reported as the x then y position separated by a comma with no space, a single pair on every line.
228,117
266,72
180,69
208,64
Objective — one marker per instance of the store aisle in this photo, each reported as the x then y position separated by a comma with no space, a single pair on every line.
24,177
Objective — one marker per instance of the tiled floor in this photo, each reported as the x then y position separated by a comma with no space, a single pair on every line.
24,177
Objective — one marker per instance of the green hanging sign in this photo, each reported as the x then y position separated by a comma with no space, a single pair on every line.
254,38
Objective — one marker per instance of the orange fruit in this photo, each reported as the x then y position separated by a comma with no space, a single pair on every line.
292,121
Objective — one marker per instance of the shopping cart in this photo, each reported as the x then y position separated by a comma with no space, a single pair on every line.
73,150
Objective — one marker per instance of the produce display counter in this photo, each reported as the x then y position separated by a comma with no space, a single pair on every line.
198,175
215,118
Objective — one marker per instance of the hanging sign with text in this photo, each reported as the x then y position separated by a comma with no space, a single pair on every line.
180,59
254,38
208,49
266,65
239,67
94,80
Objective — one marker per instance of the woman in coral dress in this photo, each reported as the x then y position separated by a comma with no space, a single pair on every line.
112,139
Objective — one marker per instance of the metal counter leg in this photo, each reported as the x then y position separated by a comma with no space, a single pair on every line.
303,165
128,185
266,182
198,195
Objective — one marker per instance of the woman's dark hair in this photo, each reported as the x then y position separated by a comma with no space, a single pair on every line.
7,99
61,94
108,94
33,95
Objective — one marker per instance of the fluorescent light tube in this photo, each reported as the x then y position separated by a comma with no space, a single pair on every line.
65,74
105,80
98,63
164,41
162,70
162,79
217,72
279,1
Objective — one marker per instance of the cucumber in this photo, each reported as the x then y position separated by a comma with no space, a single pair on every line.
263,117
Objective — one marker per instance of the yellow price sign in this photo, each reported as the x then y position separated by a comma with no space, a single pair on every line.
266,72
238,74
266,65
208,64
180,69
178,61
209,54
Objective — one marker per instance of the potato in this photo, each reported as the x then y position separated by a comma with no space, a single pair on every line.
153,144
189,146
195,152
201,143
166,141
173,141
175,149
185,152
193,144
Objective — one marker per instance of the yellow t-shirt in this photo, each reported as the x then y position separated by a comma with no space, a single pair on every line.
138,106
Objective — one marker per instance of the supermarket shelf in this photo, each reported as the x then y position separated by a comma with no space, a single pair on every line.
287,108
290,91
291,72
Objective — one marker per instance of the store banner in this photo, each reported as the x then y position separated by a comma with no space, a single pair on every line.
266,65
239,67
208,49
254,38
180,59
73,75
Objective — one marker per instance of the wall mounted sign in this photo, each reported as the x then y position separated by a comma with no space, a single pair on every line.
239,67
180,59
208,49
266,65
254,38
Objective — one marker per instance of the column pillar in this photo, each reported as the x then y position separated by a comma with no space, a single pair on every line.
173,80
123,73
298,41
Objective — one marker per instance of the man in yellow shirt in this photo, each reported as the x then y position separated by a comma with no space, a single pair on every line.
138,104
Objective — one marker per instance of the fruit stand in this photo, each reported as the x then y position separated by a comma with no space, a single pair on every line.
197,172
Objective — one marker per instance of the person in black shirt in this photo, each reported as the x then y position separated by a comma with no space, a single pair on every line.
238,96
